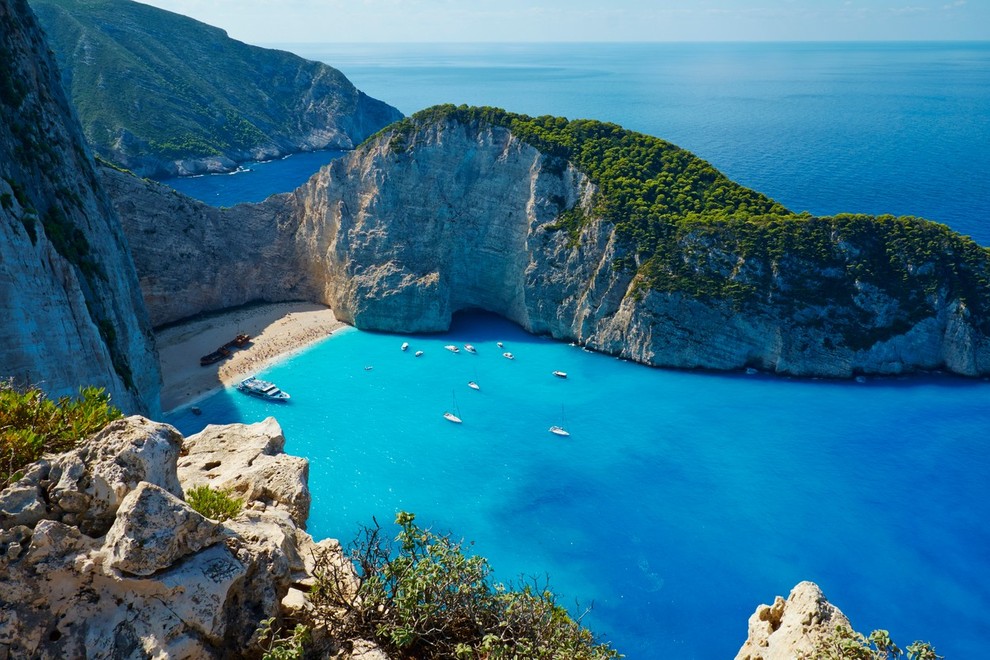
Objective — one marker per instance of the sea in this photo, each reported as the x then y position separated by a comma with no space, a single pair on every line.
681,500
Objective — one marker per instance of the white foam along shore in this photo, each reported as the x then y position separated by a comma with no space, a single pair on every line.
277,330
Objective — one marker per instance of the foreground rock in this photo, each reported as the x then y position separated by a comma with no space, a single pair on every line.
792,628
100,556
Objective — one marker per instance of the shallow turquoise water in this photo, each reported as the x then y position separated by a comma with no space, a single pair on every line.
680,501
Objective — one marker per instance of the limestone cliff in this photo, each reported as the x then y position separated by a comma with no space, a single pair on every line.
163,94
71,312
101,557
445,213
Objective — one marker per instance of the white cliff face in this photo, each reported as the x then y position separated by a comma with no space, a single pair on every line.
403,233
71,313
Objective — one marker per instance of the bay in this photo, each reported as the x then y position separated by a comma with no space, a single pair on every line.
681,500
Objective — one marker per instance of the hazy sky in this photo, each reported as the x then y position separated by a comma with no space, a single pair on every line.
272,21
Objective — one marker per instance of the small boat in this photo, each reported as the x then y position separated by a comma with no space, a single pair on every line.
499,344
405,346
508,356
368,368
196,410
474,386
750,371
452,348
560,374
558,429
419,353
262,389
451,416
221,353
470,349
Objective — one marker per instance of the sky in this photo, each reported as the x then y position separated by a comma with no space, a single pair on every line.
336,21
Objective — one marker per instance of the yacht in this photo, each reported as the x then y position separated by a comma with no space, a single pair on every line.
508,356
560,374
474,386
452,348
262,389
470,349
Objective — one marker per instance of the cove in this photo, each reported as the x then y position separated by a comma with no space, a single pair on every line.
680,501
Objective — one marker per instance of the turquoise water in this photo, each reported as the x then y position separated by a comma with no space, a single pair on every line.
680,501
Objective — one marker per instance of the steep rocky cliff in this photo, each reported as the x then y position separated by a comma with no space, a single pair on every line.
163,94
71,312
546,223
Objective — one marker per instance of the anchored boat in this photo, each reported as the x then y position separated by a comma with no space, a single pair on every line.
262,389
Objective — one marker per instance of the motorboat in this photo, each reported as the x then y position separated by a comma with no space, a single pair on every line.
499,344
560,374
559,430
508,356
419,354
405,346
452,348
474,386
262,389
470,349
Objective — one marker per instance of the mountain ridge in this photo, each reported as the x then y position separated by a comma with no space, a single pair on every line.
162,94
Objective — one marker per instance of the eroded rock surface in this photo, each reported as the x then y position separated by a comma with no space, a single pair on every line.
792,628
100,556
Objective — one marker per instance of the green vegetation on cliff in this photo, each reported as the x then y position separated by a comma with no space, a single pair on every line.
425,597
684,228
148,83
31,424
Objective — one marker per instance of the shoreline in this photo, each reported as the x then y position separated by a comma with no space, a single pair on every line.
277,330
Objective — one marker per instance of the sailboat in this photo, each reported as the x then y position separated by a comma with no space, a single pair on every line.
559,429
449,416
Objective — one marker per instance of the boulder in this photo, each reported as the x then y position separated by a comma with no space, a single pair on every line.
791,628
249,460
154,529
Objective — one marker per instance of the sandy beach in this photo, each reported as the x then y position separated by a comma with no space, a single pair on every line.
276,330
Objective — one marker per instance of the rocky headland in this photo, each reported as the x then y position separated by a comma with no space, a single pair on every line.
473,208
164,95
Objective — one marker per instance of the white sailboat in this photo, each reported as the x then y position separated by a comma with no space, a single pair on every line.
452,416
558,429
474,386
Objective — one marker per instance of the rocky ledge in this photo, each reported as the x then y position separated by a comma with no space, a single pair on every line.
100,555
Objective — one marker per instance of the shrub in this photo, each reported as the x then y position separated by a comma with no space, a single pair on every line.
427,598
31,424
213,503
846,644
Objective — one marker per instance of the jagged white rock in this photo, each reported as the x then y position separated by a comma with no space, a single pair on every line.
792,628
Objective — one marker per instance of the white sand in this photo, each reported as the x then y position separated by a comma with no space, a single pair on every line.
276,330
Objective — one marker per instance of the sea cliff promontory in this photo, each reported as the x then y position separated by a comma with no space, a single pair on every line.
163,94
582,231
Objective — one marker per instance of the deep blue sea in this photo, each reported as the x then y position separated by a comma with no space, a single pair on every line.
681,500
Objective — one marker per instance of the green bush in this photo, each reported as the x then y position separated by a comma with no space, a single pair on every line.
846,644
428,599
213,503
31,424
